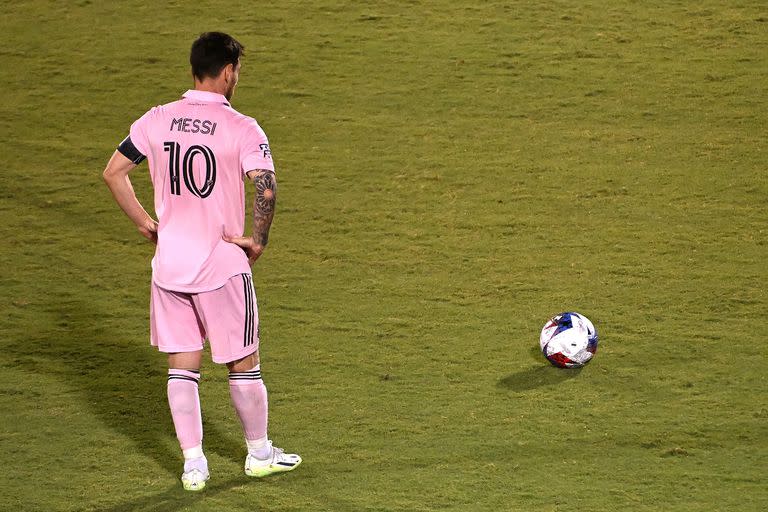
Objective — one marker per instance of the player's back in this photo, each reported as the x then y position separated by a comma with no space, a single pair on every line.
199,149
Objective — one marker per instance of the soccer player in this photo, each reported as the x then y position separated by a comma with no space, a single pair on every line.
200,152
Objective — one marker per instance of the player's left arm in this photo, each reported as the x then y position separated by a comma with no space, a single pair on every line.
116,178
264,200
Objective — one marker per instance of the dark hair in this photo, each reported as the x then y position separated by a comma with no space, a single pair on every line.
211,52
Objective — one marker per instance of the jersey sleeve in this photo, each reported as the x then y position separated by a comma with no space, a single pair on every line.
129,151
255,153
139,133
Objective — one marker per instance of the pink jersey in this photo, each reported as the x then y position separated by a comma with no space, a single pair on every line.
199,149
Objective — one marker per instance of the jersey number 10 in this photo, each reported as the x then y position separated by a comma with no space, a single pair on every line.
185,169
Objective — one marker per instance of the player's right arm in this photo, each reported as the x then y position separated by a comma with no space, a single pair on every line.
116,178
264,199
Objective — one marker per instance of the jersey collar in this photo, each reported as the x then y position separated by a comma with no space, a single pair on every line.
205,96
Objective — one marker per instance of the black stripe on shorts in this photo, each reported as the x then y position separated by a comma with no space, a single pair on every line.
248,294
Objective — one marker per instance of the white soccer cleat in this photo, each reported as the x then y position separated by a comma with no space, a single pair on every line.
194,480
278,462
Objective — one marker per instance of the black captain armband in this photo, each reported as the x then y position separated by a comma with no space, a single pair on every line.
129,151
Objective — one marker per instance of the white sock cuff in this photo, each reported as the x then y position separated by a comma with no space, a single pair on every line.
193,453
256,444
177,374
246,377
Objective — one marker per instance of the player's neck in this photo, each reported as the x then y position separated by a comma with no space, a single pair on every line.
217,86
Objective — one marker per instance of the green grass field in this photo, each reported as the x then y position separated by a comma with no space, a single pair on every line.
451,175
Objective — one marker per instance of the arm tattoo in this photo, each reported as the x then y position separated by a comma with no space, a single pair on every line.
263,204
266,188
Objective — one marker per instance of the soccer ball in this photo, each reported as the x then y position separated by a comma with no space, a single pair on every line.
568,340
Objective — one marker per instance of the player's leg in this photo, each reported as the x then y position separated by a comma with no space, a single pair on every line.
184,401
249,397
233,332
176,330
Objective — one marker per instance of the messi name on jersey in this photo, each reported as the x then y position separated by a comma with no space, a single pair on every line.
185,124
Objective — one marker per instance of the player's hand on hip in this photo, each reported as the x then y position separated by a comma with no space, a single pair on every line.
149,230
252,249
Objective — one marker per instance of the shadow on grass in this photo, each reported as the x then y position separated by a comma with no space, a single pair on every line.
542,375
123,382
175,498
172,499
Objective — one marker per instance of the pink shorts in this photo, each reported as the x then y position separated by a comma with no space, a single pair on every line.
227,317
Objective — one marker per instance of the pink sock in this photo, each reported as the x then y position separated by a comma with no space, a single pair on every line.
185,407
249,396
